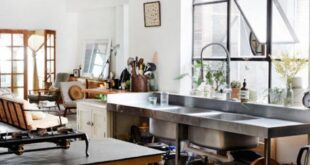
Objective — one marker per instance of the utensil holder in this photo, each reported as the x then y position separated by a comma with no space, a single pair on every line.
139,83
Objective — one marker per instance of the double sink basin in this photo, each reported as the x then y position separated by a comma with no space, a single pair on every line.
210,138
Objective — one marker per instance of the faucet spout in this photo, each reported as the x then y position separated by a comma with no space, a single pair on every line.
227,61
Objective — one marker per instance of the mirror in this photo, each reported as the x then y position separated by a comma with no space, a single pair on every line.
96,58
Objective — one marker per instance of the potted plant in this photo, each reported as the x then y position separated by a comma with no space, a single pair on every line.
215,78
235,89
288,67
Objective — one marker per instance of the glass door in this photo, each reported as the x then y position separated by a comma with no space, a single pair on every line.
12,61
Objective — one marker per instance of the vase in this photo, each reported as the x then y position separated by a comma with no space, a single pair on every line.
289,99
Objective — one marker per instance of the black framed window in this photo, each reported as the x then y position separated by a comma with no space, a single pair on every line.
253,31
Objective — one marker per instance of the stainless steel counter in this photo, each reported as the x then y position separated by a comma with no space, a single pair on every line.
215,118
264,121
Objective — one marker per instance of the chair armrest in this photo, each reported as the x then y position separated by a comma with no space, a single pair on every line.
38,90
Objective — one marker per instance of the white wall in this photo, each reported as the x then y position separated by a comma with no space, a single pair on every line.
43,14
165,40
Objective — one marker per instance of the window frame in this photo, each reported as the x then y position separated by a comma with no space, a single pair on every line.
268,44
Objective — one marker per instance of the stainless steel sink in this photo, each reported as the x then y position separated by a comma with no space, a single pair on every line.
220,140
231,117
163,129
185,110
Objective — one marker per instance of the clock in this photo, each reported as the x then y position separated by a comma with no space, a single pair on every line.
306,99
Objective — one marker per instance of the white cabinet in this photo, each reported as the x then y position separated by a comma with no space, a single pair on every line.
94,119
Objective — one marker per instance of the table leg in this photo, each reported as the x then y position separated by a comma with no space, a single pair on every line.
267,151
181,134
87,144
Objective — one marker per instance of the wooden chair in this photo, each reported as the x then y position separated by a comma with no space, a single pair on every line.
68,101
13,112
50,94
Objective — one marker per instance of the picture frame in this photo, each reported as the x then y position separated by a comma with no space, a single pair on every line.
152,14
76,72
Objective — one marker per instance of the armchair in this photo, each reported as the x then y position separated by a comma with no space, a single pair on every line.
50,94
71,92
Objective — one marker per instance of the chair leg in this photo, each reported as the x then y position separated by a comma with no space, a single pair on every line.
65,113
58,106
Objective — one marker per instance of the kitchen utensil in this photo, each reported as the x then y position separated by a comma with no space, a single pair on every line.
130,60
140,62
303,151
152,66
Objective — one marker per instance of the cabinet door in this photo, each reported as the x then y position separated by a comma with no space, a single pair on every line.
84,121
99,119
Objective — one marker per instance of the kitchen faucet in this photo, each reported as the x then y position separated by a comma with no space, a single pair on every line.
227,62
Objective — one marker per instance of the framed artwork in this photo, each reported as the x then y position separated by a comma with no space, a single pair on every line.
76,72
152,14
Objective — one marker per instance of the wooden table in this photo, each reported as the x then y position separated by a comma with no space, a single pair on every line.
103,91
105,152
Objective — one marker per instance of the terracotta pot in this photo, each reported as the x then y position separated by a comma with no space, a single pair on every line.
235,93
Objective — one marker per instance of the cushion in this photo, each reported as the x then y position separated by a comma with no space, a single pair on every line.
75,92
37,115
5,91
49,121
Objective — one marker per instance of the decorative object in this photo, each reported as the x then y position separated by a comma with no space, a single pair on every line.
257,48
75,92
96,58
152,14
288,67
235,89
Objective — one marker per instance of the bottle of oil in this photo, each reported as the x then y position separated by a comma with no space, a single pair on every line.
244,93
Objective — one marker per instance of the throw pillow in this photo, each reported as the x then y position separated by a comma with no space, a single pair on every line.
75,92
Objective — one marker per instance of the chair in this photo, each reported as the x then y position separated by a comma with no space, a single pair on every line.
51,94
21,114
71,92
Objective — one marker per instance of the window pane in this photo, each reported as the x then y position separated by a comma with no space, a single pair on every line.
5,81
5,53
50,40
18,53
255,12
256,75
5,66
18,66
240,37
297,12
18,80
18,39
50,66
210,26
5,39
50,53
18,92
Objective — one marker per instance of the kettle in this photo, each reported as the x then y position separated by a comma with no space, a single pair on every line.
304,153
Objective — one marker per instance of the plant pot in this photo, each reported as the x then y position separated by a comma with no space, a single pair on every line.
235,93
